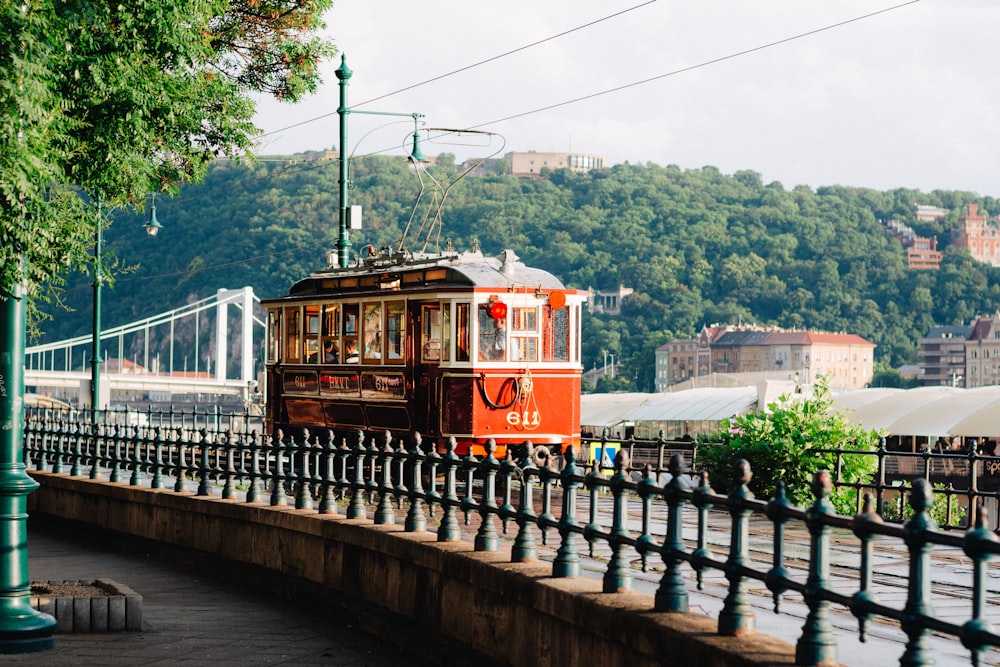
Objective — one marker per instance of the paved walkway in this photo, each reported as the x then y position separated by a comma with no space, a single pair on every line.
193,619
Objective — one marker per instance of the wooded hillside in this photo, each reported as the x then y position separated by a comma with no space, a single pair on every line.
697,246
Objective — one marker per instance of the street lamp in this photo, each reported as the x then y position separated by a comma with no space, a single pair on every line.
344,74
152,228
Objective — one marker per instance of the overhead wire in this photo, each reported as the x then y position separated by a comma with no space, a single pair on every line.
314,163
472,66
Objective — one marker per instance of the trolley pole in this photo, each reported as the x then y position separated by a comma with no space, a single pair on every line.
22,629
344,74
343,240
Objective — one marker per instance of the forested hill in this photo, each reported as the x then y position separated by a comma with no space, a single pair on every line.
697,246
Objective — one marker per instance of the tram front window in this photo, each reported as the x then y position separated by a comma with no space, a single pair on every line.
492,337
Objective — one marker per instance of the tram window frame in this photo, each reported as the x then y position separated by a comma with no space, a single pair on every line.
371,332
350,322
431,327
555,334
463,330
523,342
490,346
293,335
274,335
311,321
395,332
330,331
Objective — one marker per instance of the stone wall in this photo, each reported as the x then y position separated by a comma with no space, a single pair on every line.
450,604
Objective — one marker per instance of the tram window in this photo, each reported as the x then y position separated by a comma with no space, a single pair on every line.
274,335
350,319
350,342
525,319
446,332
523,348
555,334
492,337
430,343
372,351
293,340
394,331
462,327
312,334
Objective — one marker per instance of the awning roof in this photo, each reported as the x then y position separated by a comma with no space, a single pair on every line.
712,404
925,411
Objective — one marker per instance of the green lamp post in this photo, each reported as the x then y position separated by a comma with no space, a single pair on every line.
22,629
344,74
152,227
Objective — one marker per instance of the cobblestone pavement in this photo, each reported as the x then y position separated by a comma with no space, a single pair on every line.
193,619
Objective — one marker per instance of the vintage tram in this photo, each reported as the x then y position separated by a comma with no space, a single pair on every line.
445,344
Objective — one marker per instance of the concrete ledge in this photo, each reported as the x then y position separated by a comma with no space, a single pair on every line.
442,600
120,610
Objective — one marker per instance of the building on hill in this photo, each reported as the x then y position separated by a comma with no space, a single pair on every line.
978,234
982,353
530,164
921,252
676,361
845,360
608,301
928,213
942,356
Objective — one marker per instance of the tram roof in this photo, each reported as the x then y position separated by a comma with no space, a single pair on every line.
505,271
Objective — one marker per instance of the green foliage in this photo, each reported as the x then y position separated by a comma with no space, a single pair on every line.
697,246
781,446
938,511
117,100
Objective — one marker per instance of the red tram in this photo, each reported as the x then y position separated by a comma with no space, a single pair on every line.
450,344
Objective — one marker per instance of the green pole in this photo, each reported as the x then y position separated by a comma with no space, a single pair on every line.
343,240
22,629
95,362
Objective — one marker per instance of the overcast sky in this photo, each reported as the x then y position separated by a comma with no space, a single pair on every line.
906,98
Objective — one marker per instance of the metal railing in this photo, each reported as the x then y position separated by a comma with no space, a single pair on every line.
408,482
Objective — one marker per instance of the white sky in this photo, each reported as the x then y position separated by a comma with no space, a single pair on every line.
907,98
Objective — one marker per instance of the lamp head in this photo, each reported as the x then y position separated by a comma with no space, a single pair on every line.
153,227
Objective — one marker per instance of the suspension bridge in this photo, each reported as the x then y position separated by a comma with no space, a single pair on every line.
202,349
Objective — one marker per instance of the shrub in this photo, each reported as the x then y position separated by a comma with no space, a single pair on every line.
781,446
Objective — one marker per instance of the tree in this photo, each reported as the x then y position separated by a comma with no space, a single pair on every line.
112,100
121,99
781,445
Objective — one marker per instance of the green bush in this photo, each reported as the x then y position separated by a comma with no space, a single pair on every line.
938,511
781,446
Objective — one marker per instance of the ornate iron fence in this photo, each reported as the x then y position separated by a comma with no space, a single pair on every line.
392,477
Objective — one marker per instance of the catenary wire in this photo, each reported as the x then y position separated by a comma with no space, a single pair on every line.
309,164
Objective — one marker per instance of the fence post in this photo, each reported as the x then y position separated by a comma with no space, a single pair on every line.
357,509
449,531
278,497
487,538
672,594
918,597
817,646
777,577
618,576
736,619
524,550
416,521
303,496
567,560
383,513
864,600
978,539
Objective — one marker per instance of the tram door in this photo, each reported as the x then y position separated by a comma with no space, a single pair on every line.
428,343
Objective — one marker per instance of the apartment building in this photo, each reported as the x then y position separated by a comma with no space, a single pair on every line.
982,353
942,356
846,360
530,164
